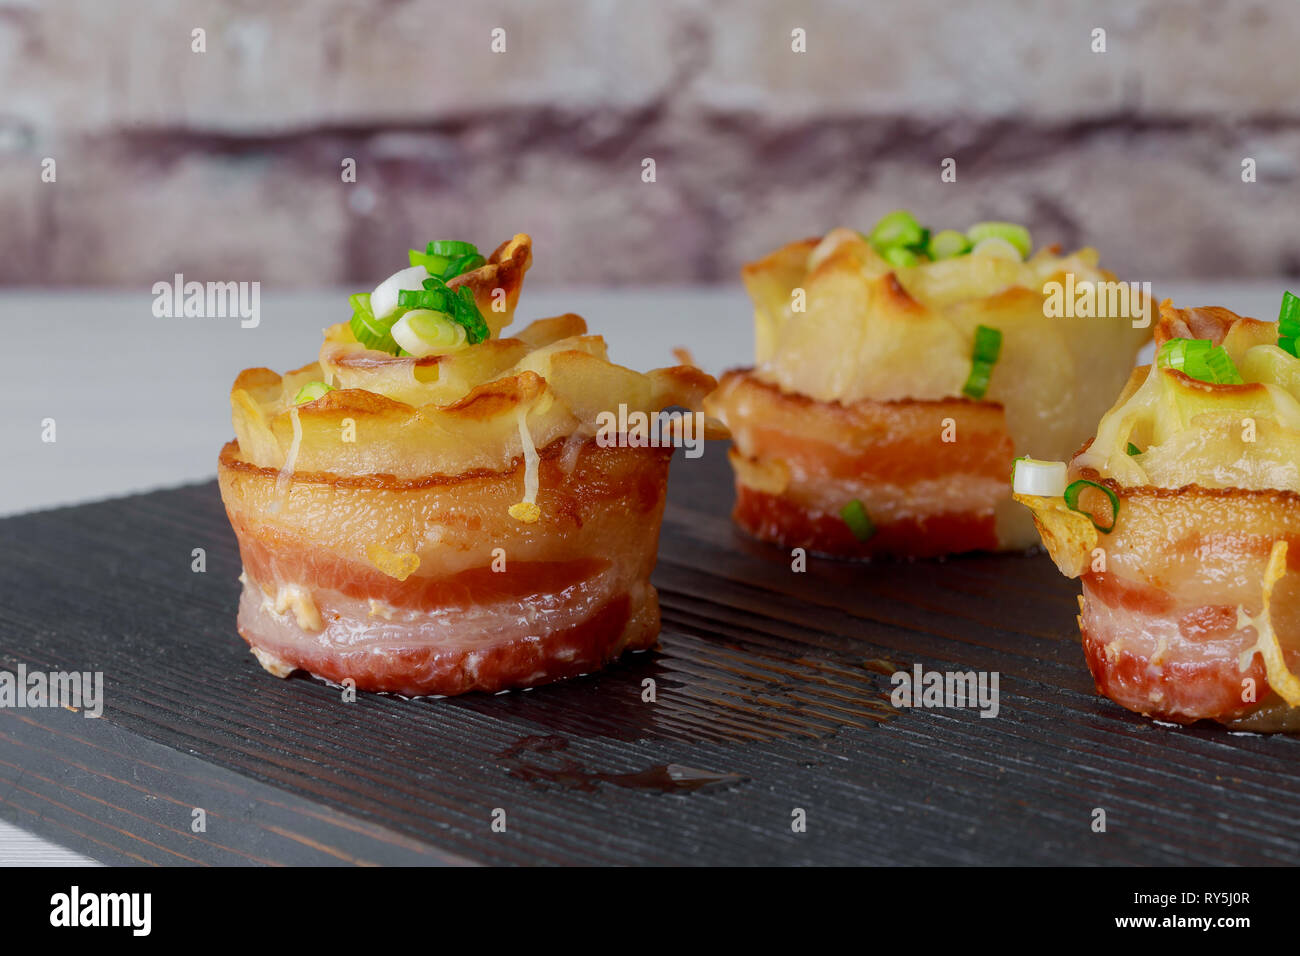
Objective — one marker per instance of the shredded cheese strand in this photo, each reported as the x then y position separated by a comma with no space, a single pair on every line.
527,510
1266,644
285,478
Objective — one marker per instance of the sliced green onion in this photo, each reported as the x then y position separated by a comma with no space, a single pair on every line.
997,248
435,298
1200,359
465,312
360,302
988,344
372,333
434,263
898,228
1134,449
1033,477
1179,353
461,265
898,257
422,332
451,248
1015,463
447,258
383,301
1221,366
984,355
859,522
1288,322
311,391
977,383
947,244
1072,502
1016,235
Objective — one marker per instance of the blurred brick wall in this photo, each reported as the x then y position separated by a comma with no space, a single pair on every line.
226,164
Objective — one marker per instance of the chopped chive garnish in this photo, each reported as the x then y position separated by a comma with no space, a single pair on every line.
1200,359
1072,502
988,346
311,391
1010,232
1288,323
947,244
1134,449
898,228
859,522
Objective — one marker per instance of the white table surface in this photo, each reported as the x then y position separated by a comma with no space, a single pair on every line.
142,402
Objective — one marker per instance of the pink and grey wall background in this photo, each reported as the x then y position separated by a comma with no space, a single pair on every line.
226,164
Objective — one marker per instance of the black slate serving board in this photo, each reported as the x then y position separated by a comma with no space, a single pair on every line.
771,698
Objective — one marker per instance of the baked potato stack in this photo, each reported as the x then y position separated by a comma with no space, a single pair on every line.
895,380
448,522
1182,520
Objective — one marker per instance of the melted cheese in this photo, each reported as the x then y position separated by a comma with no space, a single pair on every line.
296,598
284,480
527,510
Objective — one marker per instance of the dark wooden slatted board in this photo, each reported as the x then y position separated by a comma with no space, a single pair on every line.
768,678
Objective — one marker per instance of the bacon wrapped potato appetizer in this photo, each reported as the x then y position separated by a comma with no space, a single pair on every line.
1182,517
428,508
898,372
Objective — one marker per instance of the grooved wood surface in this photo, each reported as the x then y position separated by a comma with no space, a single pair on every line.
771,698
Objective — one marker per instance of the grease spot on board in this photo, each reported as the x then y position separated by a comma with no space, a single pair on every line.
566,772
707,691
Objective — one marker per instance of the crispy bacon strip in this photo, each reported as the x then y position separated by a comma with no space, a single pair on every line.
1162,623
491,603
799,461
